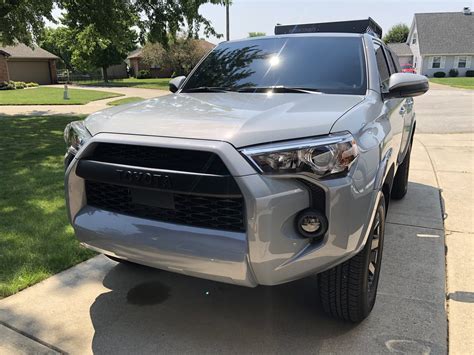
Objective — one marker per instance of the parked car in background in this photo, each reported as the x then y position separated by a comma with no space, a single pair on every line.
276,159
408,68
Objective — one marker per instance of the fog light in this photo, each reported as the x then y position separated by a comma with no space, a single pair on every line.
311,223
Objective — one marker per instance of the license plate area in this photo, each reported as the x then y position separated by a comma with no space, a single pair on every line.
154,198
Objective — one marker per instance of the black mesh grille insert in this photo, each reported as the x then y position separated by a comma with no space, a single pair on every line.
222,213
160,158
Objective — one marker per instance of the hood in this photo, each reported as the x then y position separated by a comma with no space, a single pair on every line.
241,119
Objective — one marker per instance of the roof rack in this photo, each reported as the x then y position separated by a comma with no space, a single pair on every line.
354,26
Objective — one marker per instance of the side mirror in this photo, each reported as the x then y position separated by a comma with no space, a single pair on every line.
406,85
176,83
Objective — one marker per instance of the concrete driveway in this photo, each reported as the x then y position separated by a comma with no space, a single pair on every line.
102,307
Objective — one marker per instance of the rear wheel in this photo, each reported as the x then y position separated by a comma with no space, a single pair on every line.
348,290
400,182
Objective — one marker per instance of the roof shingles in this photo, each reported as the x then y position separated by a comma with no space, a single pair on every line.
23,51
401,49
445,33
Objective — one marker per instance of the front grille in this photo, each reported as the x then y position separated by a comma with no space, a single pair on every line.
179,186
159,158
224,213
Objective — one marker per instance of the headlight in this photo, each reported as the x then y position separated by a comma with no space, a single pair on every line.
75,135
319,157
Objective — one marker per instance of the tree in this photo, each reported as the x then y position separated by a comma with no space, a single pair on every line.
182,54
162,20
60,42
257,34
23,20
102,32
397,34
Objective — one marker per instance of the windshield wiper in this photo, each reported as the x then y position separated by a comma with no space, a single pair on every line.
208,89
277,89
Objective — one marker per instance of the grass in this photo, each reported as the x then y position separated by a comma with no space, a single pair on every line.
463,82
36,240
52,96
155,83
127,100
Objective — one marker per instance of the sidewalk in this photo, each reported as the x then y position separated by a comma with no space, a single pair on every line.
452,157
93,106
101,307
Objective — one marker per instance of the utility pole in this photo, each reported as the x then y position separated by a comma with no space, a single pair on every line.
227,20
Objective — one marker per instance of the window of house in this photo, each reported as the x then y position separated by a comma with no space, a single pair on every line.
462,61
436,62
413,40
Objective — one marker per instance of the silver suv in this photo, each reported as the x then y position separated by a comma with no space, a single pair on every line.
275,159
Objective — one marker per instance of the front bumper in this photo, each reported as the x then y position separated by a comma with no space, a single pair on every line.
269,252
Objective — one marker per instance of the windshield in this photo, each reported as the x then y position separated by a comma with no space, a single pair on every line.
333,65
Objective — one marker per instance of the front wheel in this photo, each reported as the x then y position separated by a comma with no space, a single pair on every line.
348,290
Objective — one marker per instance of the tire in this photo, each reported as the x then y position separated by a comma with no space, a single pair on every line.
400,182
348,291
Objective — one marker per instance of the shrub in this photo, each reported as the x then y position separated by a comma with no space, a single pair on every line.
470,73
19,84
143,74
31,85
453,73
7,85
439,74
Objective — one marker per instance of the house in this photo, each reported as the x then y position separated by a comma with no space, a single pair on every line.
403,51
135,62
28,64
440,42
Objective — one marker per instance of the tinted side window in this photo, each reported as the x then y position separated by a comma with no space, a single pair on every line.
383,67
395,61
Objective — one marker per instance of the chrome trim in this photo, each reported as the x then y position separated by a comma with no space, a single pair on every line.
333,138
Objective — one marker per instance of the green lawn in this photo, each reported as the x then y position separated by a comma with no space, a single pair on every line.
464,82
159,83
127,100
51,96
36,240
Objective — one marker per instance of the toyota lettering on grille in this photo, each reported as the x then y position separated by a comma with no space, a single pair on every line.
144,178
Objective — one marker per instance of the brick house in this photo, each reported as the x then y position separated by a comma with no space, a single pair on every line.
23,63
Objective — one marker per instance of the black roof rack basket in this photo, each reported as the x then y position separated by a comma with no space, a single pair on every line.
354,26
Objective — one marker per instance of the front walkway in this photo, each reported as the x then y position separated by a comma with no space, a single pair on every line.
93,106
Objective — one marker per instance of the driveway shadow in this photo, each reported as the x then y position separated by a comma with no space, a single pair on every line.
153,311
156,311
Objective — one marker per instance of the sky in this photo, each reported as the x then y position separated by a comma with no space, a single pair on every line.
262,15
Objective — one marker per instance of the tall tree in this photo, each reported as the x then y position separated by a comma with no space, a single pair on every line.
60,42
162,20
102,30
23,20
397,34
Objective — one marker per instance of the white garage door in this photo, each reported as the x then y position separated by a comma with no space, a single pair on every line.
35,71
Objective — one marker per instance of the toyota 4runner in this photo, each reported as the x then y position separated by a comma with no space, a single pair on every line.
275,159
